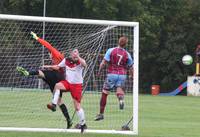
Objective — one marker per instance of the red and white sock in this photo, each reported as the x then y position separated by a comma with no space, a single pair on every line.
81,116
56,96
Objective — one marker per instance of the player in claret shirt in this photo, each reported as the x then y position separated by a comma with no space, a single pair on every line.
119,62
73,83
51,77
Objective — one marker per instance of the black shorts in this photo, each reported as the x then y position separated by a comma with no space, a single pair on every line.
52,77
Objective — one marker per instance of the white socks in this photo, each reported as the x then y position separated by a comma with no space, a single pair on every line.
81,116
56,96
80,112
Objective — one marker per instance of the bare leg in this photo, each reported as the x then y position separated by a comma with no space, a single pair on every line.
40,74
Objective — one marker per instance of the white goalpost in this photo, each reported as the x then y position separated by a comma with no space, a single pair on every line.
23,104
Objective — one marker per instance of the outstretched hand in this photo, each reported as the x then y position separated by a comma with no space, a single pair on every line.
34,35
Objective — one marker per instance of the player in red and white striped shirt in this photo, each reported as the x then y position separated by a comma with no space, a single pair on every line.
73,83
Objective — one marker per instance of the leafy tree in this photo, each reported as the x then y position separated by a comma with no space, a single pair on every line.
168,30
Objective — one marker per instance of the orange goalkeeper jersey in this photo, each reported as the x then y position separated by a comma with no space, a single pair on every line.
57,57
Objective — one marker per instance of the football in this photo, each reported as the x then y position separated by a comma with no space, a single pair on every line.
187,60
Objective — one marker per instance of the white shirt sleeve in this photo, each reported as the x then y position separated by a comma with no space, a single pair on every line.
62,63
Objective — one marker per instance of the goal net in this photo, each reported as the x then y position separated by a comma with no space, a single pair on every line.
23,99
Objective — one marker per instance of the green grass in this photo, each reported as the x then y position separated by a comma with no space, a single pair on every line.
158,116
169,116
28,109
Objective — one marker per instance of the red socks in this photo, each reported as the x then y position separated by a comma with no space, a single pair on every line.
103,102
120,96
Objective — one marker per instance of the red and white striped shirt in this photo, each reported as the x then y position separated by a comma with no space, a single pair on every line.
73,71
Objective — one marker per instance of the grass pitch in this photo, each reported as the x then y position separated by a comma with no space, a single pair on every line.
28,109
158,116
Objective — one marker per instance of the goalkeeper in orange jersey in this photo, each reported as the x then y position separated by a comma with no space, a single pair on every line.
50,76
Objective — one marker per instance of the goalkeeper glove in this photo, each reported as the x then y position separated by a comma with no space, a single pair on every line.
34,35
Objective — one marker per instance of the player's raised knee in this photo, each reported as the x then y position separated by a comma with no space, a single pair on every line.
58,85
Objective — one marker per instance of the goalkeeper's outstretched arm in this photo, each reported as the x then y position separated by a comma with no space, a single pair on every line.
55,53
44,42
54,67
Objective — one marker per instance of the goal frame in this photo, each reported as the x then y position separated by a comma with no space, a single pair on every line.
136,68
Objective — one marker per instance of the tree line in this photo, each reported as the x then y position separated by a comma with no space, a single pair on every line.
168,30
